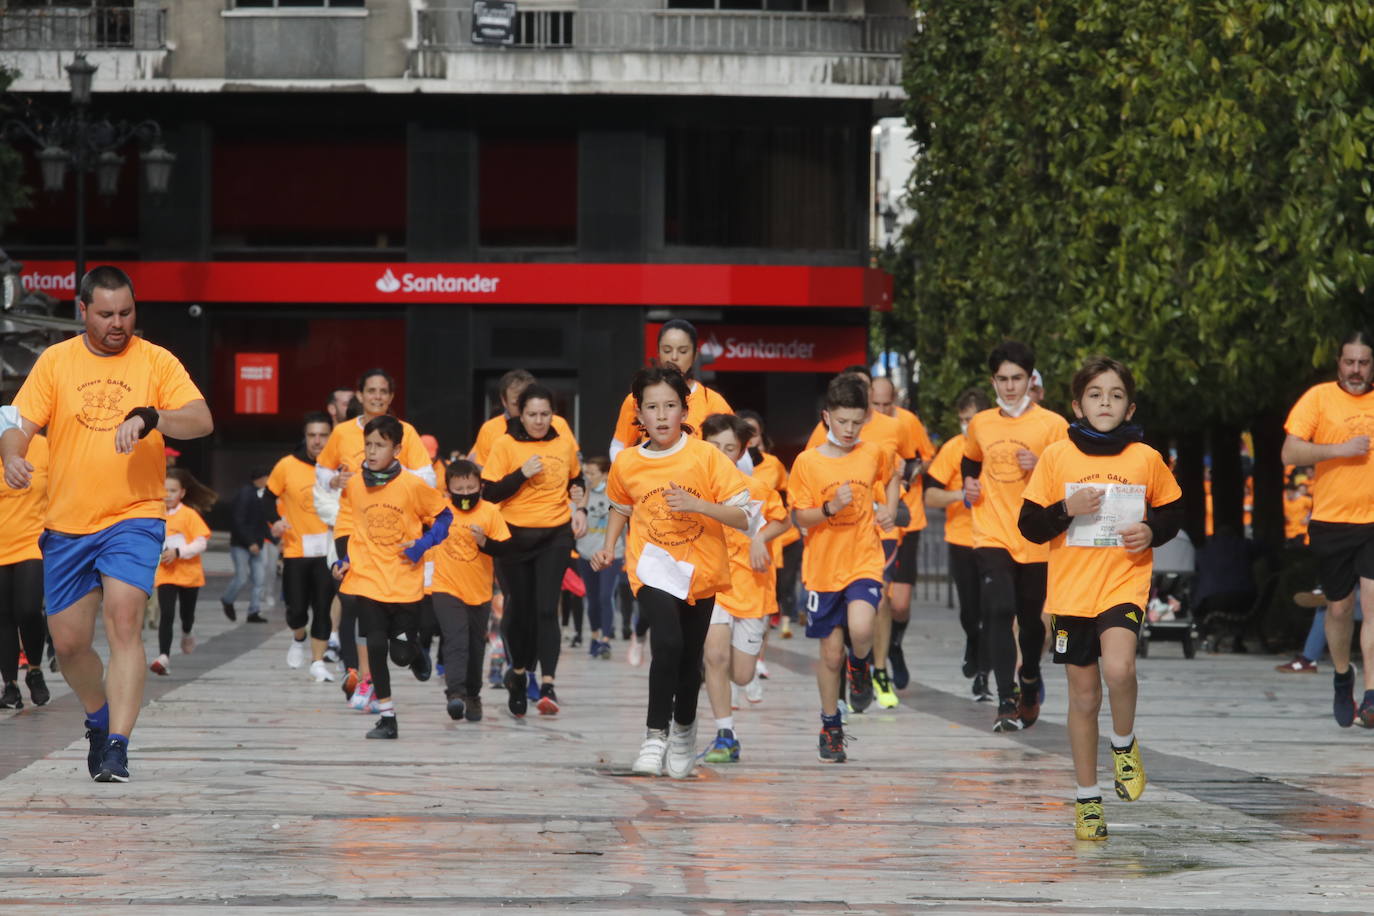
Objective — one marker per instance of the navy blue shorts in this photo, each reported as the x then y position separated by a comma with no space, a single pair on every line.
826,611
74,563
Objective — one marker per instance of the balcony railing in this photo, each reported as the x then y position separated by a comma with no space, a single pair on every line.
75,29
678,31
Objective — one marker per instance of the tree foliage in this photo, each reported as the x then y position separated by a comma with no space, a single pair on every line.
13,194
1185,185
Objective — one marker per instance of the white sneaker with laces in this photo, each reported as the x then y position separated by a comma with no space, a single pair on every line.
295,656
320,672
651,754
753,691
682,750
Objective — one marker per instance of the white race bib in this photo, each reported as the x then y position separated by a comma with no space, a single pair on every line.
1122,505
315,545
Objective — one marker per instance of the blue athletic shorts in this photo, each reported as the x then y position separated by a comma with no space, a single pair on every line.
73,563
825,611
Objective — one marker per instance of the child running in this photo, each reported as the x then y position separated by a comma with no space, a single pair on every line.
600,583
842,491
380,567
180,575
739,621
22,624
677,493
1100,499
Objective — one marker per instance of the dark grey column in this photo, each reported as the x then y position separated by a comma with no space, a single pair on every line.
611,181
439,382
442,194
612,341
176,227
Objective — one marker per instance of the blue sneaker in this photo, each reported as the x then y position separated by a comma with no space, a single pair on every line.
724,748
532,686
114,763
98,738
438,669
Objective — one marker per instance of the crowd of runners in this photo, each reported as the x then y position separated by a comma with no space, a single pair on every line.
393,559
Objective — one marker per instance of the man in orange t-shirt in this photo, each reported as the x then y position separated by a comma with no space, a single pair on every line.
1329,428
107,398
1001,449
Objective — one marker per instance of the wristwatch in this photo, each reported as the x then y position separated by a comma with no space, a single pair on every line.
825,509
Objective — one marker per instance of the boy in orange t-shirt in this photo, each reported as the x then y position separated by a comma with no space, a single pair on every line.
1100,499
383,566
1001,448
842,492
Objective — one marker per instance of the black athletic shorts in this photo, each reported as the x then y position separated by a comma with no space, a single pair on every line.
904,566
1078,640
1345,555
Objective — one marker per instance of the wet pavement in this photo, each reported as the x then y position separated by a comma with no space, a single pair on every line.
253,787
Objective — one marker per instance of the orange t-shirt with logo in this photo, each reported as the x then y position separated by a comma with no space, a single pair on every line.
947,468
496,427
752,594
542,500
22,511
845,547
184,525
292,481
1295,514
82,399
461,569
914,497
661,540
1085,581
385,518
890,435
1343,489
702,402
994,440
773,472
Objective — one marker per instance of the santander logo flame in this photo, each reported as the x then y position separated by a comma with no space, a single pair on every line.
388,283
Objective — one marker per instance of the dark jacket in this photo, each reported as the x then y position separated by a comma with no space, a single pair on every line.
248,525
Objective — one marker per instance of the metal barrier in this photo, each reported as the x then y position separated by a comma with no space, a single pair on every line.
686,31
83,29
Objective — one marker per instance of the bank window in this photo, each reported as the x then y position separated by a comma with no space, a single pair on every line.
528,190
287,4
771,6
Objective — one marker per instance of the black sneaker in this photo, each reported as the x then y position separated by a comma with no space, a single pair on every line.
38,688
860,686
114,762
255,618
421,666
456,708
229,610
516,686
625,634
385,728
576,641
1343,707
96,739
548,701
11,698
969,669
981,692
896,663
1008,719
473,713
832,742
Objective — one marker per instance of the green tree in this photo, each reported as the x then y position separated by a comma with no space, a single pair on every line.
1183,185
13,193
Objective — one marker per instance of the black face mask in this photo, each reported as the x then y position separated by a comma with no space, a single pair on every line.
373,478
756,455
465,502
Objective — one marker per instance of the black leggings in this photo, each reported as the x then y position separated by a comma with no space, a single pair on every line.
21,616
309,589
573,608
677,633
963,569
392,629
532,578
350,628
787,579
167,596
1011,591
627,606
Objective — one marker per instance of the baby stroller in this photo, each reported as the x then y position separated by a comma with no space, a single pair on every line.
1169,612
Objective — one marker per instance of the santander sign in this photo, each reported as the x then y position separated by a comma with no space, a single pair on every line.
435,283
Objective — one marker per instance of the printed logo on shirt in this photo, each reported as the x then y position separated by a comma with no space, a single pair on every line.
460,546
849,515
553,476
1002,465
1361,424
385,524
101,404
666,527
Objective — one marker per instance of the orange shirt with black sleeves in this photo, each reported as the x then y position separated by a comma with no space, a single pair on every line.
385,519
638,479
1085,581
292,481
542,500
1343,488
496,427
82,399
461,569
22,511
752,594
186,572
994,439
702,402
845,547
947,468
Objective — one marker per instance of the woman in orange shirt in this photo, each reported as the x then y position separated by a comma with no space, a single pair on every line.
180,575
677,347
21,581
528,472
677,494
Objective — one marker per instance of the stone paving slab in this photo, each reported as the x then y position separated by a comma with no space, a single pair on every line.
253,789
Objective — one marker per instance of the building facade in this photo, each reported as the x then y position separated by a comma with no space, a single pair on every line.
358,183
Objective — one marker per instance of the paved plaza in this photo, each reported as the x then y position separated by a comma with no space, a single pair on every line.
253,787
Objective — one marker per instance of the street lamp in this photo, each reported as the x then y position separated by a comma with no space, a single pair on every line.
89,146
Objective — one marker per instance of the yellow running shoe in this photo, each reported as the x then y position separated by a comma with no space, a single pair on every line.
1130,772
882,689
1089,823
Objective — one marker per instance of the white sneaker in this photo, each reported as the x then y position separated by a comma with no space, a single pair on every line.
651,753
760,669
295,656
682,750
320,672
753,691
844,712
635,655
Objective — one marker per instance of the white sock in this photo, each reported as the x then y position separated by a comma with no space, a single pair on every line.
388,709
728,723
334,637
1087,792
1122,742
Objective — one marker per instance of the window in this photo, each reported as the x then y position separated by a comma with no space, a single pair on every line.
528,191
772,6
285,4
